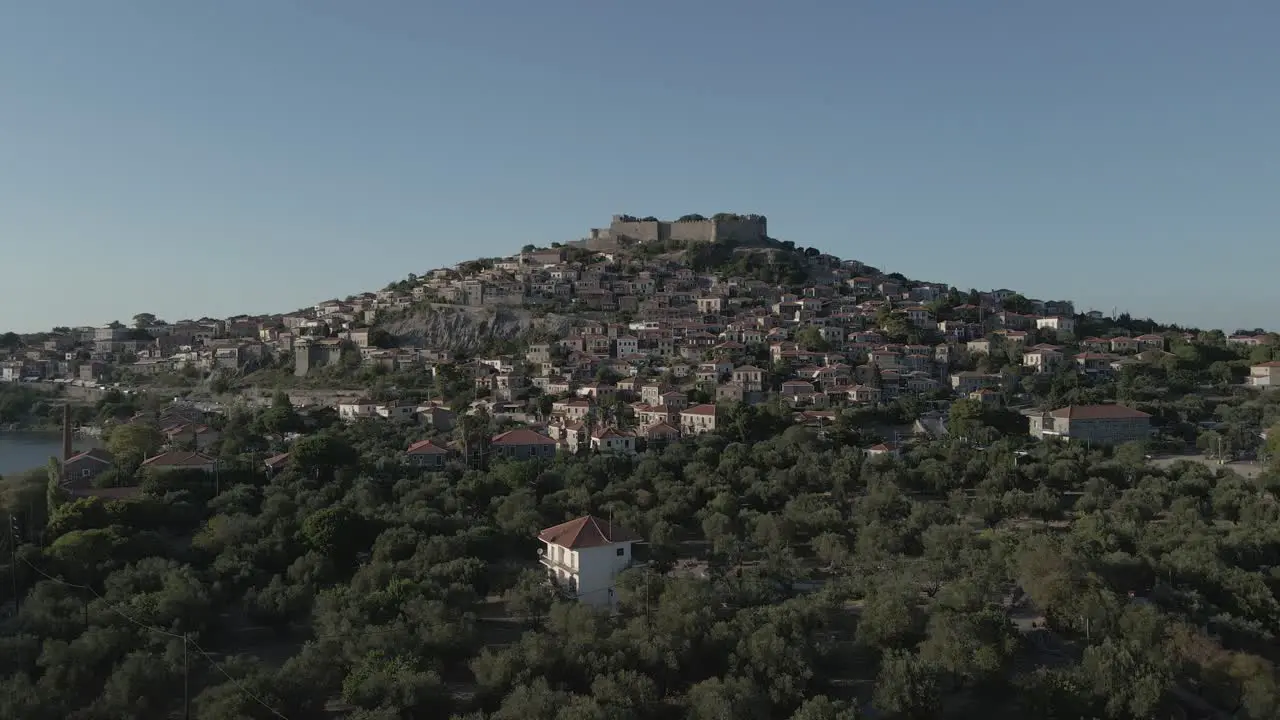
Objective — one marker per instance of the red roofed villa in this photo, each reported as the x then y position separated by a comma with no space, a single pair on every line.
584,557
426,454
523,444
1266,374
1095,424
181,460
698,419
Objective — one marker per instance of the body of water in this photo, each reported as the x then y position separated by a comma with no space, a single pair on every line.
26,450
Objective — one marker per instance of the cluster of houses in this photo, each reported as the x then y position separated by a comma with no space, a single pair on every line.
654,347
86,354
189,443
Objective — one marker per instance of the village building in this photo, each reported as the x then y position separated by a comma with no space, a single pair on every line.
585,556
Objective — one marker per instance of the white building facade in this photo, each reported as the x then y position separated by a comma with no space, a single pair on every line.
585,556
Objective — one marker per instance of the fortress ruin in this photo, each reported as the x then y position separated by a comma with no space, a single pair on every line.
628,229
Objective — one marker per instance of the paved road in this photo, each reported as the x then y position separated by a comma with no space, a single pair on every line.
1246,469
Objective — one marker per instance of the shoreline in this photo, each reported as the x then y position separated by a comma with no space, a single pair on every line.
20,428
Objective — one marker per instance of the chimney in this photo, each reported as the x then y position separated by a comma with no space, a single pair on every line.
67,450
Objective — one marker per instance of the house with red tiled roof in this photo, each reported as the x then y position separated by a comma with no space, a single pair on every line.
613,440
1124,344
1150,342
1248,340
698,419
523,444
1094,362
276,463
883,449
660,433
1095,344
1094,424
79,470
585,556
426,454
194,436
180,460
1265,375
1042,359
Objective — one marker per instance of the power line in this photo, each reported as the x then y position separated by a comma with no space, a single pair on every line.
186,639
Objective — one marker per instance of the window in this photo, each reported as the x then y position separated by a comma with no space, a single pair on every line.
85,473
622,551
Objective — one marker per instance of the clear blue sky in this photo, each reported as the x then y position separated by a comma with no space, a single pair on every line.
189,158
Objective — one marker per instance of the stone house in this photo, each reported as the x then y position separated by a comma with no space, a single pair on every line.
523,444
1095,424
427,455
79,470
698,419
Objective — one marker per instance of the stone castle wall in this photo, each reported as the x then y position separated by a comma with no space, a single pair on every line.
741,228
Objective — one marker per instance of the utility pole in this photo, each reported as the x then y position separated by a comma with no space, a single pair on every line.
13,560
186,676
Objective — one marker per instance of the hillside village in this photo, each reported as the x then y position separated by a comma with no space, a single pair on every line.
651,337
819,487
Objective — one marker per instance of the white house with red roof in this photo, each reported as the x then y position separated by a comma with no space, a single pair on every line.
1266,374
883,449
698,419
612,440
1247,340
585,556
1042,359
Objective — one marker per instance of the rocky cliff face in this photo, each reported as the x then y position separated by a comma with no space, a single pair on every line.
467,329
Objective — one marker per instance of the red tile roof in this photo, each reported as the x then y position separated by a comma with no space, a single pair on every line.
586,532
1098,412
426,447
662,427
179,459
609,432
101,455
704,409
277,460
522,436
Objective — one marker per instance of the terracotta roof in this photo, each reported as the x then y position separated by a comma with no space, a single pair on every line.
1098,412
609,432
704,409
426,447
102,455
522,436
277,460
178,458
662,426
586,532
1272,364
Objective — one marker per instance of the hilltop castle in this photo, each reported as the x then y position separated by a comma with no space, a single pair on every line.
626,229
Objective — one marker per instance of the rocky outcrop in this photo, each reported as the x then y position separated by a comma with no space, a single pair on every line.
468,329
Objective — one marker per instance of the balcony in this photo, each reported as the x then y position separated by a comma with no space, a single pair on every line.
554,564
